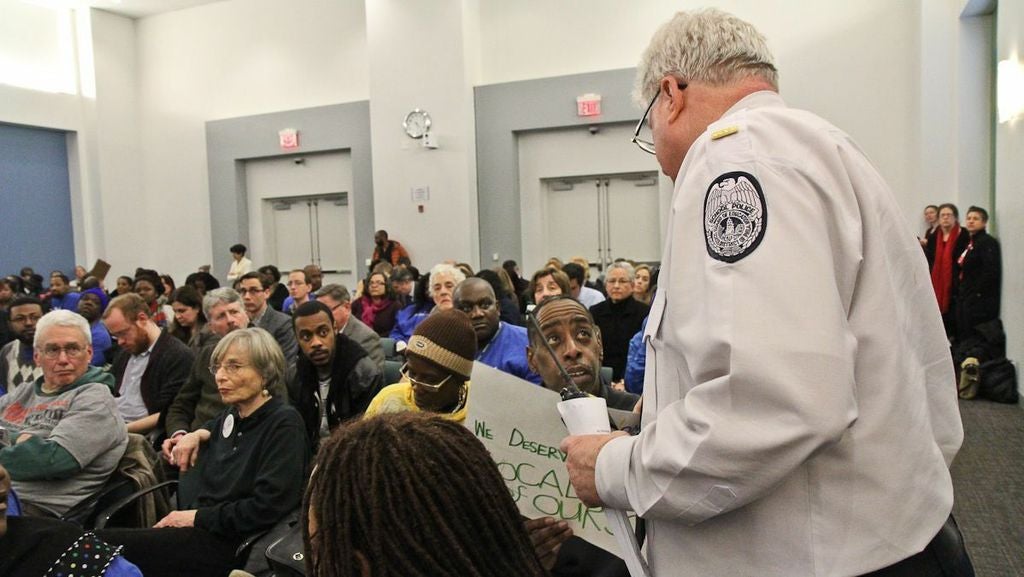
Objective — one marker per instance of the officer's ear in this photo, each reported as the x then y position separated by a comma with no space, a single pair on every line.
674,97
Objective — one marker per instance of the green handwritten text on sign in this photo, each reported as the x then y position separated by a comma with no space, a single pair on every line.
519,424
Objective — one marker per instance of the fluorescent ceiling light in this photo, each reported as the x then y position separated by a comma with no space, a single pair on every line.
1010,89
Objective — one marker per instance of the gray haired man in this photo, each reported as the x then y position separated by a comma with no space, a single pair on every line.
800,411
61,436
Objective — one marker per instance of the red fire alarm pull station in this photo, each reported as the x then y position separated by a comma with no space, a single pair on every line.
588,105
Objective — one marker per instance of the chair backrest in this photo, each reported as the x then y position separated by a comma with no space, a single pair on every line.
138,470
84,512
606,374
392,372
388,346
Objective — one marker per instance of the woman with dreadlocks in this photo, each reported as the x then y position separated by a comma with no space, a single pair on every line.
412,495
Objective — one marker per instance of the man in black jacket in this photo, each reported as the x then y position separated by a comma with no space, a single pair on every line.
977,276
255,290
334,379
150,367
576,341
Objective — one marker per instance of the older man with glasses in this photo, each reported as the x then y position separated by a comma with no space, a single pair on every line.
800,410
61,435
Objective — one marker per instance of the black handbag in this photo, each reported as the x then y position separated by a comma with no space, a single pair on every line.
287,556
998,381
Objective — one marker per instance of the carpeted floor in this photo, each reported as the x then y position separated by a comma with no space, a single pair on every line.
988,478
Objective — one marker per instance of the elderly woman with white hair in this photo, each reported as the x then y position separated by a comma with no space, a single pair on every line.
440,289
242,472
619,317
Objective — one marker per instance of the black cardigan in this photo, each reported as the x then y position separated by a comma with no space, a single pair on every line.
251,472
169,367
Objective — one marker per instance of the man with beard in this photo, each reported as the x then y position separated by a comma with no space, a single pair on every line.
568,327
499,344
334,378
17,365
91,305
151,366
570,330
385,250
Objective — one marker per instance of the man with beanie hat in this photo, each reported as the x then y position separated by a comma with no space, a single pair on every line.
435,377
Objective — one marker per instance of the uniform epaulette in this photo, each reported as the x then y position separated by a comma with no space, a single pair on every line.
723,132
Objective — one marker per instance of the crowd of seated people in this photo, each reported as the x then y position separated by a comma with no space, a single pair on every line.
236,387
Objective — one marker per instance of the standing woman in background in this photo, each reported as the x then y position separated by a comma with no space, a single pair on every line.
948,245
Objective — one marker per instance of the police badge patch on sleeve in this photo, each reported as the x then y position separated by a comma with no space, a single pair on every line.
735,216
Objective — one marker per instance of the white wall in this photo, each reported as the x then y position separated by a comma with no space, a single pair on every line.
222,60
419,59
856,64
102,134
1009,176
114,169
974,114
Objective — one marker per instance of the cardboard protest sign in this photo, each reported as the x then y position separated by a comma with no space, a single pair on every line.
519,424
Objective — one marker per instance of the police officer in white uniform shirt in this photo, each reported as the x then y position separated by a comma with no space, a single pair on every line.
799,412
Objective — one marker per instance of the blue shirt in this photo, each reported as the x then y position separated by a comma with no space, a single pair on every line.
289,303
100,343
68,302
407,320
506,352
636,361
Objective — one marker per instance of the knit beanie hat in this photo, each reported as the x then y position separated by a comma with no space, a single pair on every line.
100,294
447,339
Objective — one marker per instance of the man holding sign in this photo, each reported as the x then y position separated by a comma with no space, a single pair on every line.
800,413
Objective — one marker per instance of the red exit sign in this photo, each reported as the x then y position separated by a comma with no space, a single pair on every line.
588,105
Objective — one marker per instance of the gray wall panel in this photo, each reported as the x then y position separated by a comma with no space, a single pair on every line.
324,128
502,111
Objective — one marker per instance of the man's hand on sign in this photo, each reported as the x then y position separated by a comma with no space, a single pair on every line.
582,453
547,536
